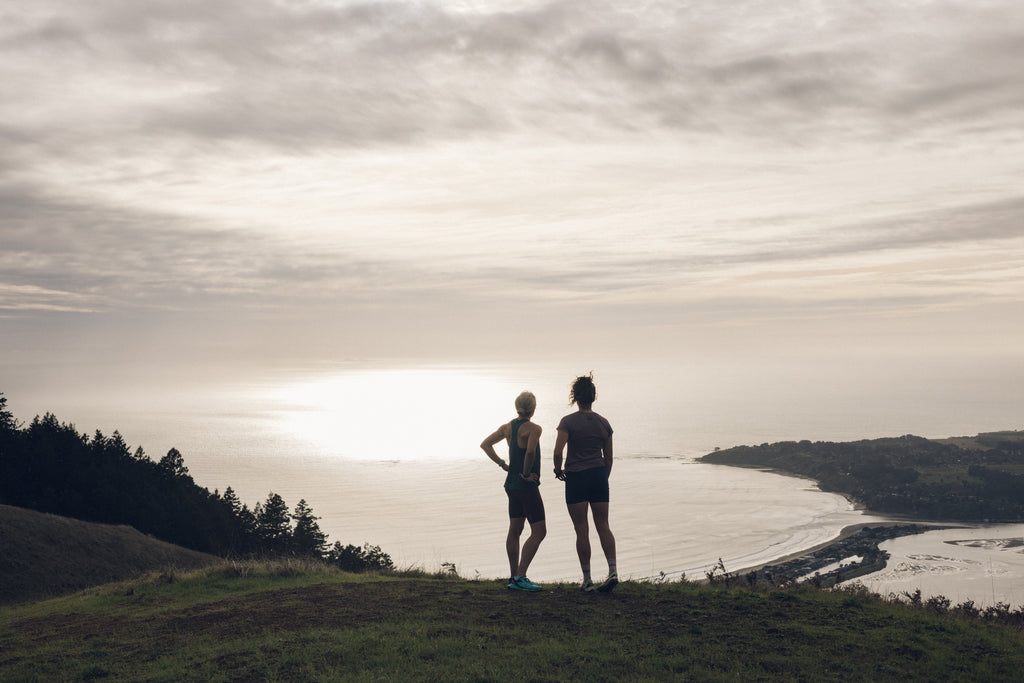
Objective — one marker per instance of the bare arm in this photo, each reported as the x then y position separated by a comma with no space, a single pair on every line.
532,442
608,455
487,445
560,441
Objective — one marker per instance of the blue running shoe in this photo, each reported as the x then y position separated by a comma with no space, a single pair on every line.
524,584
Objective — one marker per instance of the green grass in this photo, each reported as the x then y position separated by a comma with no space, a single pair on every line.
300,622
44,555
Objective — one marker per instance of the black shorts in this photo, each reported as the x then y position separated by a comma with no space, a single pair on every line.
587,486
526,503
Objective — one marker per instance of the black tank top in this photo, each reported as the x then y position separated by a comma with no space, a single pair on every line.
516,455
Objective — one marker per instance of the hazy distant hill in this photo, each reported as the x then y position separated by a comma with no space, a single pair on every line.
966,479
42,555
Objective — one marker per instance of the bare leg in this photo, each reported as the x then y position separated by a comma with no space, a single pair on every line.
604,532
538,530
515,529
578,515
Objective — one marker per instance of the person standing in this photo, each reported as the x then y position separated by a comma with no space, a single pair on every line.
522,485
587,468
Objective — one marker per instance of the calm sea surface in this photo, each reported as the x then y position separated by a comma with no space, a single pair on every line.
388,454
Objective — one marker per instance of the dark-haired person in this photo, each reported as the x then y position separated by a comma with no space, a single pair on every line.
587,468
522,485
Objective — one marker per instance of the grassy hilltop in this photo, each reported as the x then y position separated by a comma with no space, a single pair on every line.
46,555
293,622
303,621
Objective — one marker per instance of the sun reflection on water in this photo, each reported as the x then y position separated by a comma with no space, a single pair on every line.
393,414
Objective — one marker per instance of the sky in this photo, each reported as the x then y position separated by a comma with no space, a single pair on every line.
239,183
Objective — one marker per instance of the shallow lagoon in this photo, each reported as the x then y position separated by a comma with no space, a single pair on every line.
983,564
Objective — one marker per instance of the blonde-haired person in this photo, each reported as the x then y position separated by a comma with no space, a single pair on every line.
522,485
587,468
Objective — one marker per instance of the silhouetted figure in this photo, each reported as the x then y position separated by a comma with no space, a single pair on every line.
587,468
522,487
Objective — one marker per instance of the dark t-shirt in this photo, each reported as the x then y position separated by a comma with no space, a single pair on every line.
587,434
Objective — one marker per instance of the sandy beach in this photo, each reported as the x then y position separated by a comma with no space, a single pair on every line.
845,533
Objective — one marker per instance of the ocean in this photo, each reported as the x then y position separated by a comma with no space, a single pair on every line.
387,453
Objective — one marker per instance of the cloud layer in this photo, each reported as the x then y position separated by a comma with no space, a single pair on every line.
422,162
369,73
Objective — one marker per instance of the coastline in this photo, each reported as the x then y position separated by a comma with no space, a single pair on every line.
860,541
844,534
894,526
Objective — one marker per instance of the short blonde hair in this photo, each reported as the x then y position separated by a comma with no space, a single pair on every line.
526,403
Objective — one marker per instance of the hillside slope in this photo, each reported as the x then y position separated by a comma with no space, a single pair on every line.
44,555
280,623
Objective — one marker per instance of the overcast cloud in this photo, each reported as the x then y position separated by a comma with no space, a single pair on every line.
353,170
312,74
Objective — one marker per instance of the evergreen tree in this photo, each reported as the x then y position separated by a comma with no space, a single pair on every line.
10,457
230,499
117,448
49,466
173,464
7,421
242,522
273,525
248,526
352,558
99,441
307,539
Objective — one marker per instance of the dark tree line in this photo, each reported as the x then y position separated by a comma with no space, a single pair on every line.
50,467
